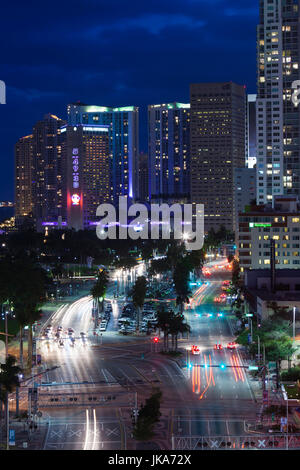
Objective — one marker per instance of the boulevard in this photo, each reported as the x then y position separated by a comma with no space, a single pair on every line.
205,394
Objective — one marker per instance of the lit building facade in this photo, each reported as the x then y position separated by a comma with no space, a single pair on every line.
245,189
143,178
39,173
217,148
123,143
87,173
251,132
23,178
261,225
169,152
278,120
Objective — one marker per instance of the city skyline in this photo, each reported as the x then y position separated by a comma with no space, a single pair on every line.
45,83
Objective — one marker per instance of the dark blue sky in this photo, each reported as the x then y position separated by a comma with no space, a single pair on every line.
115,53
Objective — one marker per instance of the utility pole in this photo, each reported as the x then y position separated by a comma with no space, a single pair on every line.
294,325
287,423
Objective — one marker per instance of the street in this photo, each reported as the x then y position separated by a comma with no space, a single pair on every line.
206,394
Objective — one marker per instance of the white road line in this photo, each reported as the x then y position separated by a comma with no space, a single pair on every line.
208,428
87,431
95,429
227,428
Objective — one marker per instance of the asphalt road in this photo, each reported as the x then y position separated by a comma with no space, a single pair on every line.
197,401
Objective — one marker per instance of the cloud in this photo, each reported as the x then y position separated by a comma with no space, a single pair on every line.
153,23
241,11
32,94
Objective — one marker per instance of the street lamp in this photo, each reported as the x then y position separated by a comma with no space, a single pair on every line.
294,324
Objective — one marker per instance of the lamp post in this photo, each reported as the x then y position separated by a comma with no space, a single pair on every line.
294,324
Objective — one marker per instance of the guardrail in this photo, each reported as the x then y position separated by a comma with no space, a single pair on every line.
254,442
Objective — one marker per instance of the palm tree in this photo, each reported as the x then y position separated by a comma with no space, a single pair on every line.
9,380
181,279
195,260
175,252
138,297
178,325
164,318
98,291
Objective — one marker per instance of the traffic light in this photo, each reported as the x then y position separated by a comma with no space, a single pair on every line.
222,366
155,339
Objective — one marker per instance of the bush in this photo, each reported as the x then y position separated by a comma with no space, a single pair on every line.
291,375
171,353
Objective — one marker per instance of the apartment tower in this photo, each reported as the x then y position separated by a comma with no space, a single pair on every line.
217,147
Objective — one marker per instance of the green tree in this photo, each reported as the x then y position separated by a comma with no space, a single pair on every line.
159,266
236,273
181,282
9,380
195,260
175,252
25,284
31,283
99,289
274,334
149,415
164,318
138,297
177,326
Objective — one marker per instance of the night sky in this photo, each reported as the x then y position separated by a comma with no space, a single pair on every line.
115,53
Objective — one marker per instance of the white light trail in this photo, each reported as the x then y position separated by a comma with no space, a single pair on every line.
87,431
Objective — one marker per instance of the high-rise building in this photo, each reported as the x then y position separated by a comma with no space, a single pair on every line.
40,172
23,179
278,120
87,156
48,171
263,225
169,155
143,178
251,132
245,188
124,143
217,148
